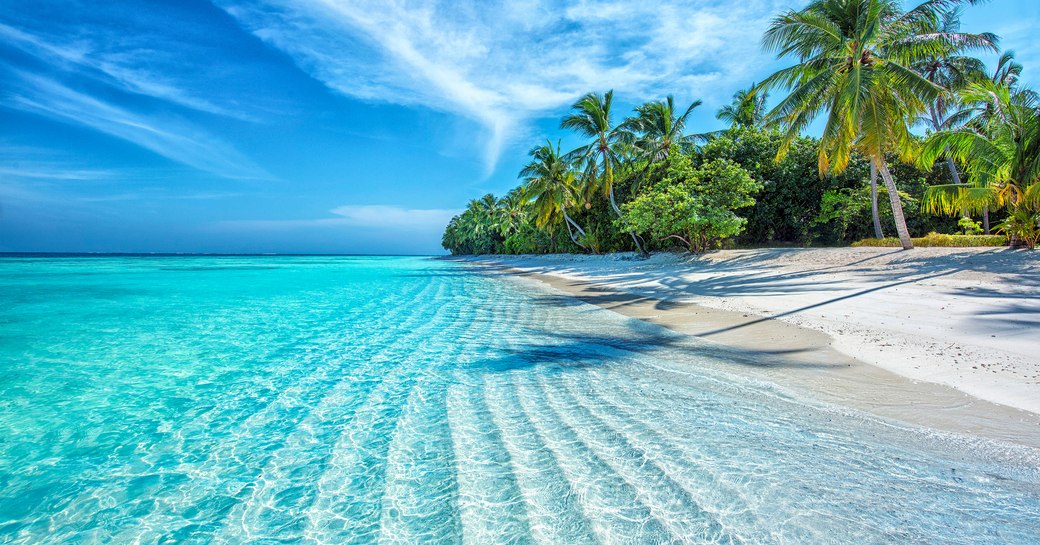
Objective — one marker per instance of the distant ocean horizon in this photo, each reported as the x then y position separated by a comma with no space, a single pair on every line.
379,399
204,254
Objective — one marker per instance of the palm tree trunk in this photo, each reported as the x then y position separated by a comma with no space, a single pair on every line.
949,160
613,205
956,180
985,220
570,231
897,206
953,170
878,233
609,173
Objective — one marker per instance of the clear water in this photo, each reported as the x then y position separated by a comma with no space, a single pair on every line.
407,400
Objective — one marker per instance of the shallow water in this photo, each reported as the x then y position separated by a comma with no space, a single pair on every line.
408,400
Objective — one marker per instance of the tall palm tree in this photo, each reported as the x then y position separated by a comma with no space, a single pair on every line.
1000,148
978,114
590,117
657,128
748,109
853,62
950,69
549,180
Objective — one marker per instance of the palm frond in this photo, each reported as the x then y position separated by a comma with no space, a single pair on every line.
954,199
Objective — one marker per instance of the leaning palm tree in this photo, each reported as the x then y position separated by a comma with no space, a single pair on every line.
1000,147
657,128
590,117
854,59
748,109
549,180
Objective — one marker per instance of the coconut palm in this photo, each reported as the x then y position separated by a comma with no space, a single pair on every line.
657,128
590,117
950,69
550,181
748,109
485,211
978,114
512,211
1008,70
854,59
1000,148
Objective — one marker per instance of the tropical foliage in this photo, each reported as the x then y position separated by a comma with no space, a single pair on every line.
748,109
695,206
1000,148
900,96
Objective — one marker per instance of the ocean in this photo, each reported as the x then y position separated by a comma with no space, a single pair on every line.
324,399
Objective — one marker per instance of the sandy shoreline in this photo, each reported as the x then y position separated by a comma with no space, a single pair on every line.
946,338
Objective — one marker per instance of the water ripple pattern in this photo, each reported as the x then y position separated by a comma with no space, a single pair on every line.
376,400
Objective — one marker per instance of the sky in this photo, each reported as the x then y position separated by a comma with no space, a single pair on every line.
336,126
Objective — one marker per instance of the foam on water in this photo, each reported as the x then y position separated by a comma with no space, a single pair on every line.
409,400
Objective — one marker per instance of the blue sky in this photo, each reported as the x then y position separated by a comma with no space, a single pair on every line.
334,125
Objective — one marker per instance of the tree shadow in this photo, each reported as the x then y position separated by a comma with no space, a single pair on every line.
1012,317
744,274
585,349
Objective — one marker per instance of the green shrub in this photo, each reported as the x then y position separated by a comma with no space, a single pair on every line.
969,226
1024,225
693,205
939,240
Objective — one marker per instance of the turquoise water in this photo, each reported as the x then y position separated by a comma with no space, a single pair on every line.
410,400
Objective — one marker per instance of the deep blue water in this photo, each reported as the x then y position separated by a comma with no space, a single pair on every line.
408,400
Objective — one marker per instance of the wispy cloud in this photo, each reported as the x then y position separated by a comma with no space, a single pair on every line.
52,172
166,135
383,217
134,68
503,63
31,174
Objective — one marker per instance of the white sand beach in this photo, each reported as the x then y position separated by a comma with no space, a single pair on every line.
965,319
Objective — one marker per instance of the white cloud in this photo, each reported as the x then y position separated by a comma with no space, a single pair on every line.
384,217
168,136
53,172
130,67
502,63
392,216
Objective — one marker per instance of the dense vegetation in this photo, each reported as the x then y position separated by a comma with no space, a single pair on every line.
875,72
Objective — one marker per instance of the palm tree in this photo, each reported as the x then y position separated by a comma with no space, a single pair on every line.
747,111
590,117
854,59
656,129
549,180
512,211
1008,70
485,211
978,114
950,69
1000,147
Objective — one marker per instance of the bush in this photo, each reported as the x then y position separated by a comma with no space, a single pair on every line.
694,206
969,226
1024,225
938,240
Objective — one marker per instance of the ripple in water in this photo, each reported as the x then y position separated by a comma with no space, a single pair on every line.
406,400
